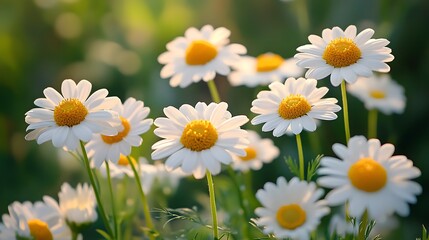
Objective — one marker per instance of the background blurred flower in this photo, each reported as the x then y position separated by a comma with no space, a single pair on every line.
366,176
199,138
78,206
293,106
71,117
379,92
344,55
258,152
290,210
132,115
41,220
199,55
263,70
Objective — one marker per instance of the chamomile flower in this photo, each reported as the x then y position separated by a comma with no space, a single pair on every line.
263,70
133,115
258,152
366,175
120,168
167,181
71,117
199,55
78,205
293,106
344,55
379,92
41,220
290,210
199,138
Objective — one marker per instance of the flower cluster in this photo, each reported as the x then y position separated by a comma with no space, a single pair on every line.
206,138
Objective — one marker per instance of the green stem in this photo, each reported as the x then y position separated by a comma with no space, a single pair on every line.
210,183
372,123
146,210
240,193
363,225
96,190
345,110
300,156
74,235
112,199
213,91
302,15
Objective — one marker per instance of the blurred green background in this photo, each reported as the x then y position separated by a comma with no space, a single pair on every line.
115,45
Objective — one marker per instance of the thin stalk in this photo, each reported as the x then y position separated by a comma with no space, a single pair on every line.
300,156
240,193
96,190
210,183
74,235
345,110
372,123
112,199
213,91
146,210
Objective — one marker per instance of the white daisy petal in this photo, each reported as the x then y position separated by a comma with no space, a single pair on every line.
204,137
199,55
366,176
279,199
324,56
297,103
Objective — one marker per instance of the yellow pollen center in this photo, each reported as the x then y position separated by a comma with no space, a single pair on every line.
291,216
377,94
70,112
293,106
268,62
200,52
118,137
367,175
341,52
39,230
199,135
123,160
250,154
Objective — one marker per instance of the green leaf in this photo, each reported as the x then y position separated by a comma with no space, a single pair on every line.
292,165
313,166
103,233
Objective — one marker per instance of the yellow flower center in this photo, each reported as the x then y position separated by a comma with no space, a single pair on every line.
250,154
290,216
70,112
39,230
268,62
200,52
377,94
294,106
368,175
118,137
199,135
123,160
341,52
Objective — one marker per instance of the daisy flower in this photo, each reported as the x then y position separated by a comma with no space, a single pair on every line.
41,220
263,70
199,138
344,55
200,54
293,106
78,206
379,92
290,210
258,152
366,175
72,116
132,115
166,181
120,168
